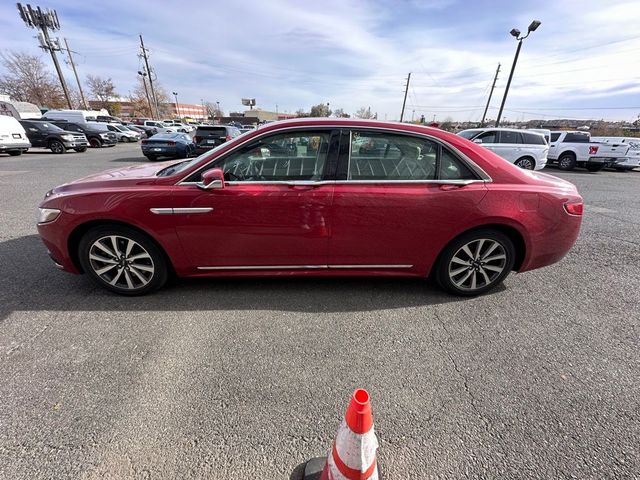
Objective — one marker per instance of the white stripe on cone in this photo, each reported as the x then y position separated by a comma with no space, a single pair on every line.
357,451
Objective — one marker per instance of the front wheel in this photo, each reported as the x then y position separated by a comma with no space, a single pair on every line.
595,167
122,260
475,262
80,149
56,146
95,143
526,163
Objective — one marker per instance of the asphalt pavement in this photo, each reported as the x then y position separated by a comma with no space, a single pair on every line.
248,378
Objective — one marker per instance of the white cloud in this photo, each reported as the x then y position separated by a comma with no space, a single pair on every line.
357,53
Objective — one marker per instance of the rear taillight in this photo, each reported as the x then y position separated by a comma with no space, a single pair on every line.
171,142
593,150
227,138
574,208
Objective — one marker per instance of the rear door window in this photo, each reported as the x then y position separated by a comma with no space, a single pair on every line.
384,156
510,137
533,139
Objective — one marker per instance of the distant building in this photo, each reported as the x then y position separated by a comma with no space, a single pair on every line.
186,110
168,110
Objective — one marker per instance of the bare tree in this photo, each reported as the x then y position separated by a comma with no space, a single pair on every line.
301,113
102,90
213,110
340,113
364,113
140,103
320,110
27,79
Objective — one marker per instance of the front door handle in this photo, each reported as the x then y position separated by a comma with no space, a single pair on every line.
448,187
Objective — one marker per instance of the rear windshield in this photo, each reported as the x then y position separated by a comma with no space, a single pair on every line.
212,131
576,138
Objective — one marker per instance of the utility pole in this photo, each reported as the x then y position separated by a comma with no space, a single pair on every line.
175,94
75,72
43,21
153,92
406,90
484,115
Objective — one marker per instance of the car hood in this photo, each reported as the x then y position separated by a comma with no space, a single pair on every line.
144,174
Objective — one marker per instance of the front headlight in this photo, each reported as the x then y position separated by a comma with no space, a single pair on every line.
46,215
104,135
68,138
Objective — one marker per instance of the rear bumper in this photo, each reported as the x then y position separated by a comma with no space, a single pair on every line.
161,151
606,161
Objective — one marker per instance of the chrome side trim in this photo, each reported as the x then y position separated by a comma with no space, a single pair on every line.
266,267
335,267
161,211
301,267
179,211
192,210
306,183
470,163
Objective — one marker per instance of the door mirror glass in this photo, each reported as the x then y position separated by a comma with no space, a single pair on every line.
213,178
477,140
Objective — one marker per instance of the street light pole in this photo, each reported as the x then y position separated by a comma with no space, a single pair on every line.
516,34
175,95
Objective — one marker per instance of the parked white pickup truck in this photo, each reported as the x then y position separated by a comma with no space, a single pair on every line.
575,149
633,154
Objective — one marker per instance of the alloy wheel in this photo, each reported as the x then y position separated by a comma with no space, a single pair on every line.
56,147
525,163
477,264
121,262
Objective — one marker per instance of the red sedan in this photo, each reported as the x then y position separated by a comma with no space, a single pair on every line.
315,197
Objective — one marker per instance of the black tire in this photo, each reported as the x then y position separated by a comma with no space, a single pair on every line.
125,140
444,269
15,153
153,158
95,143
156,261
567,161
526,163
80,149
594,167
56,146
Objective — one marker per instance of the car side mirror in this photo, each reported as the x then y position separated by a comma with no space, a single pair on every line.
477,140
212,179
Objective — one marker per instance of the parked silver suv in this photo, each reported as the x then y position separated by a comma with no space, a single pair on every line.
524,148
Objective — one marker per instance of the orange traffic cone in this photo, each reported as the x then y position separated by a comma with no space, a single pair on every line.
353,456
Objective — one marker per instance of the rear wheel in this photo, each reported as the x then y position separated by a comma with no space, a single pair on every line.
526,163
122,260
567,161
95,143
56,146
15,153
595,167
475,262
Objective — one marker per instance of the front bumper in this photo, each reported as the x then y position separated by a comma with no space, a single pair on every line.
12,147
75,144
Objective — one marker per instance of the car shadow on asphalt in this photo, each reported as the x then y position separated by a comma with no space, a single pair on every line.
30,281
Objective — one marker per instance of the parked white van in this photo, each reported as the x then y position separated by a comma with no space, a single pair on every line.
524,148
74,116
13,138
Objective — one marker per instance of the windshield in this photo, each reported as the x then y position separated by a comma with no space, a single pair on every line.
49,126
121,128
468,134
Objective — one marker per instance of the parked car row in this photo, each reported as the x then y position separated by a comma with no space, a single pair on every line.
534,149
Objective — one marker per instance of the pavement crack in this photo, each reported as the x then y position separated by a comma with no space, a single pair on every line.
472,399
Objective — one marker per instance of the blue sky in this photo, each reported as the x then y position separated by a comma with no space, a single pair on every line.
581,63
